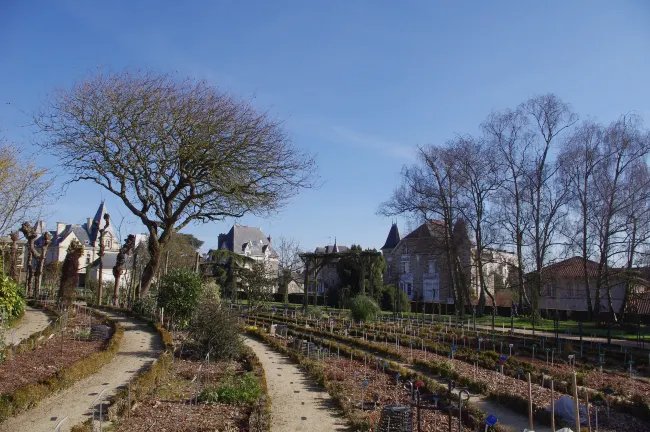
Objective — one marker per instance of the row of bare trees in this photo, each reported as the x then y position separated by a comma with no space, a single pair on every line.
544,185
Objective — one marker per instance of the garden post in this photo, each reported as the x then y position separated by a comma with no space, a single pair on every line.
530,404
576,407
552,408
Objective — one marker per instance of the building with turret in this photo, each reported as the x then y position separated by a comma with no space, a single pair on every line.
88,235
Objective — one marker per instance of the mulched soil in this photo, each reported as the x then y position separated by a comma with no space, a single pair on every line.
351,374
50,356
169,408
541,396
497,382
171,416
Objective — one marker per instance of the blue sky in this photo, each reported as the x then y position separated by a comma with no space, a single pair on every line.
359,83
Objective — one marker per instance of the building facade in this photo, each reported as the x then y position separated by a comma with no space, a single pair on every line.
88,235
563,287
417,263
249,242
328,277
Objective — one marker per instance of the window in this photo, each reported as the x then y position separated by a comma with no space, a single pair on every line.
107,244
405,265
409,288
88,259
432,268
390,272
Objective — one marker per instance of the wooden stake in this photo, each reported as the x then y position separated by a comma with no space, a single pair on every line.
552,408
576,405
530,404
587,409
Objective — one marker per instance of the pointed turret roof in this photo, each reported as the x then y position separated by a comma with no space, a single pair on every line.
99,217
393,237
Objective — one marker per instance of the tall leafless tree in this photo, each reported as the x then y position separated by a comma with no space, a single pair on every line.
479,176
289,262
24,187
545,197
175,151
508,134
429,189
625,147
579,159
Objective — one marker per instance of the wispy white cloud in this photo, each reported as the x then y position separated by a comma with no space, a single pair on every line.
370,142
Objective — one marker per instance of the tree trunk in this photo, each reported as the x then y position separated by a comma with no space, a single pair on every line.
120,261
30,270
150,270
13,266
628,272
306,288
41,263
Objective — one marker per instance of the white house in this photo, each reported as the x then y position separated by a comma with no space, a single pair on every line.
88,235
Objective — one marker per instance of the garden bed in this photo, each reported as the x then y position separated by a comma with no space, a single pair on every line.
505,389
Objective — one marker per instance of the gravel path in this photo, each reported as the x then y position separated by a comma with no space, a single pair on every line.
34,321
297,404
140,346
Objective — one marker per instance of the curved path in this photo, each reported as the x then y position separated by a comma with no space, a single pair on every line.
297,403
33,321
140,346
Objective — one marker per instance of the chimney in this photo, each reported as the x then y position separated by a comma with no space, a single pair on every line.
269,239
41,227
89,224
60,227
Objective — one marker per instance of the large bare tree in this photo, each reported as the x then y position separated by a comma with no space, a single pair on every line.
479,175
289,262
545,197
23,187
507,133
174,150
579,159
430,190
625,149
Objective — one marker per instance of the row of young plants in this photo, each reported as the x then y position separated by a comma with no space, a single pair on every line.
31,394
357,418
435,368
503,395
589,352
637,405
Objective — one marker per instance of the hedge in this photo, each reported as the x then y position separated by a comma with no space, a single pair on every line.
31,394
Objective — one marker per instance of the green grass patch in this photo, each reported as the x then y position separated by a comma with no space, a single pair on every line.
233,389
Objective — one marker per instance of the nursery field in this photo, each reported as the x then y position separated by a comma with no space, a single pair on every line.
610,384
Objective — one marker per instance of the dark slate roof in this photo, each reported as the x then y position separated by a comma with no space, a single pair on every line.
241,237
99,217
79,231
331,249
393,238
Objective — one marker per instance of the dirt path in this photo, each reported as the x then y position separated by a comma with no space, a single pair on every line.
34,321
140,346
297,404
